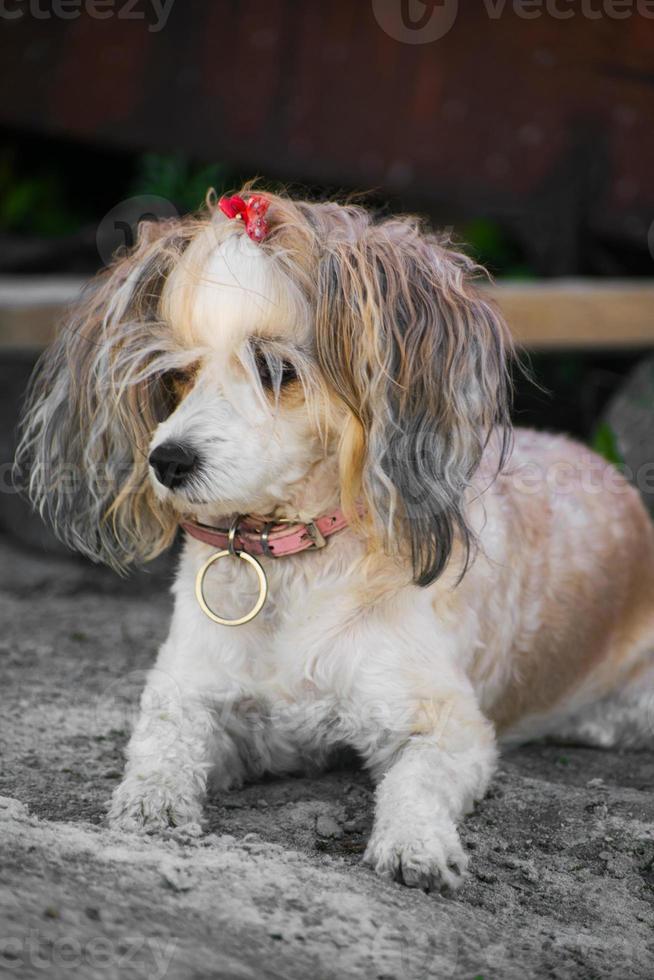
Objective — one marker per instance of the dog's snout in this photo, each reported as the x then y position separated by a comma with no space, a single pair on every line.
172,463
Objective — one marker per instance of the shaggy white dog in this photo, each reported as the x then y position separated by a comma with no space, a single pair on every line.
330,391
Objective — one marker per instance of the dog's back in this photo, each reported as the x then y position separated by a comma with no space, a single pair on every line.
580,557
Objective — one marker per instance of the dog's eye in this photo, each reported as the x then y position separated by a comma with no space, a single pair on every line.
175,384
178,378
288,372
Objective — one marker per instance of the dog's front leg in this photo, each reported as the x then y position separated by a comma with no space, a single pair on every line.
179,737
432,753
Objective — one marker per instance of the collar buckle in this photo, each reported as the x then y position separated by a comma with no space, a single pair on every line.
317,537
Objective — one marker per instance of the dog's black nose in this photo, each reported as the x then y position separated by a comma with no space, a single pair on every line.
172,463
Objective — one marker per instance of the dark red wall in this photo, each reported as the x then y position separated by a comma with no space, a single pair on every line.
546,116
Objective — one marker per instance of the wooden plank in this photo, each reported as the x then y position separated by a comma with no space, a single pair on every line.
31,307
542,315
579,313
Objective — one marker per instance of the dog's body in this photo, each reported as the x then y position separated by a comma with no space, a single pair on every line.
551,620
413,656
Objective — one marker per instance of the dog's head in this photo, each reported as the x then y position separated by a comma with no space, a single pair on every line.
208,373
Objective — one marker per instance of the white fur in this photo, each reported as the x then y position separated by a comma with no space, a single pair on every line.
312,673
547,621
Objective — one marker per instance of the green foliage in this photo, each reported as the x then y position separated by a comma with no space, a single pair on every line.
605,443
34,203
176,179
45,196
570,370
492,247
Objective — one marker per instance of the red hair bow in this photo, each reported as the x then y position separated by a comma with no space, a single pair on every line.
253,213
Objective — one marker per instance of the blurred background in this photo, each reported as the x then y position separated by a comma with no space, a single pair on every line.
525,127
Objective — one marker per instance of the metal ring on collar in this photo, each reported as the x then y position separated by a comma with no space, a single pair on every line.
263,587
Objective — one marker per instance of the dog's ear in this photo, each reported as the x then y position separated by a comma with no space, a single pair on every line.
419,357
93,403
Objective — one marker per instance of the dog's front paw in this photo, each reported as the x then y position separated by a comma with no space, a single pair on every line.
153,806
429,857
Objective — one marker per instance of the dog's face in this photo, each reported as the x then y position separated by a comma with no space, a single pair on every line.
208,374
248,419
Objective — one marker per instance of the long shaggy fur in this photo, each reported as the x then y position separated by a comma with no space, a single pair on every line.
403,338
420,359
95,400
345,360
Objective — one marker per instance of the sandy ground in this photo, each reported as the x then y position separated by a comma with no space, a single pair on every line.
562,869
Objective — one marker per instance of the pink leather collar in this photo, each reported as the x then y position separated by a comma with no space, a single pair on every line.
274,539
